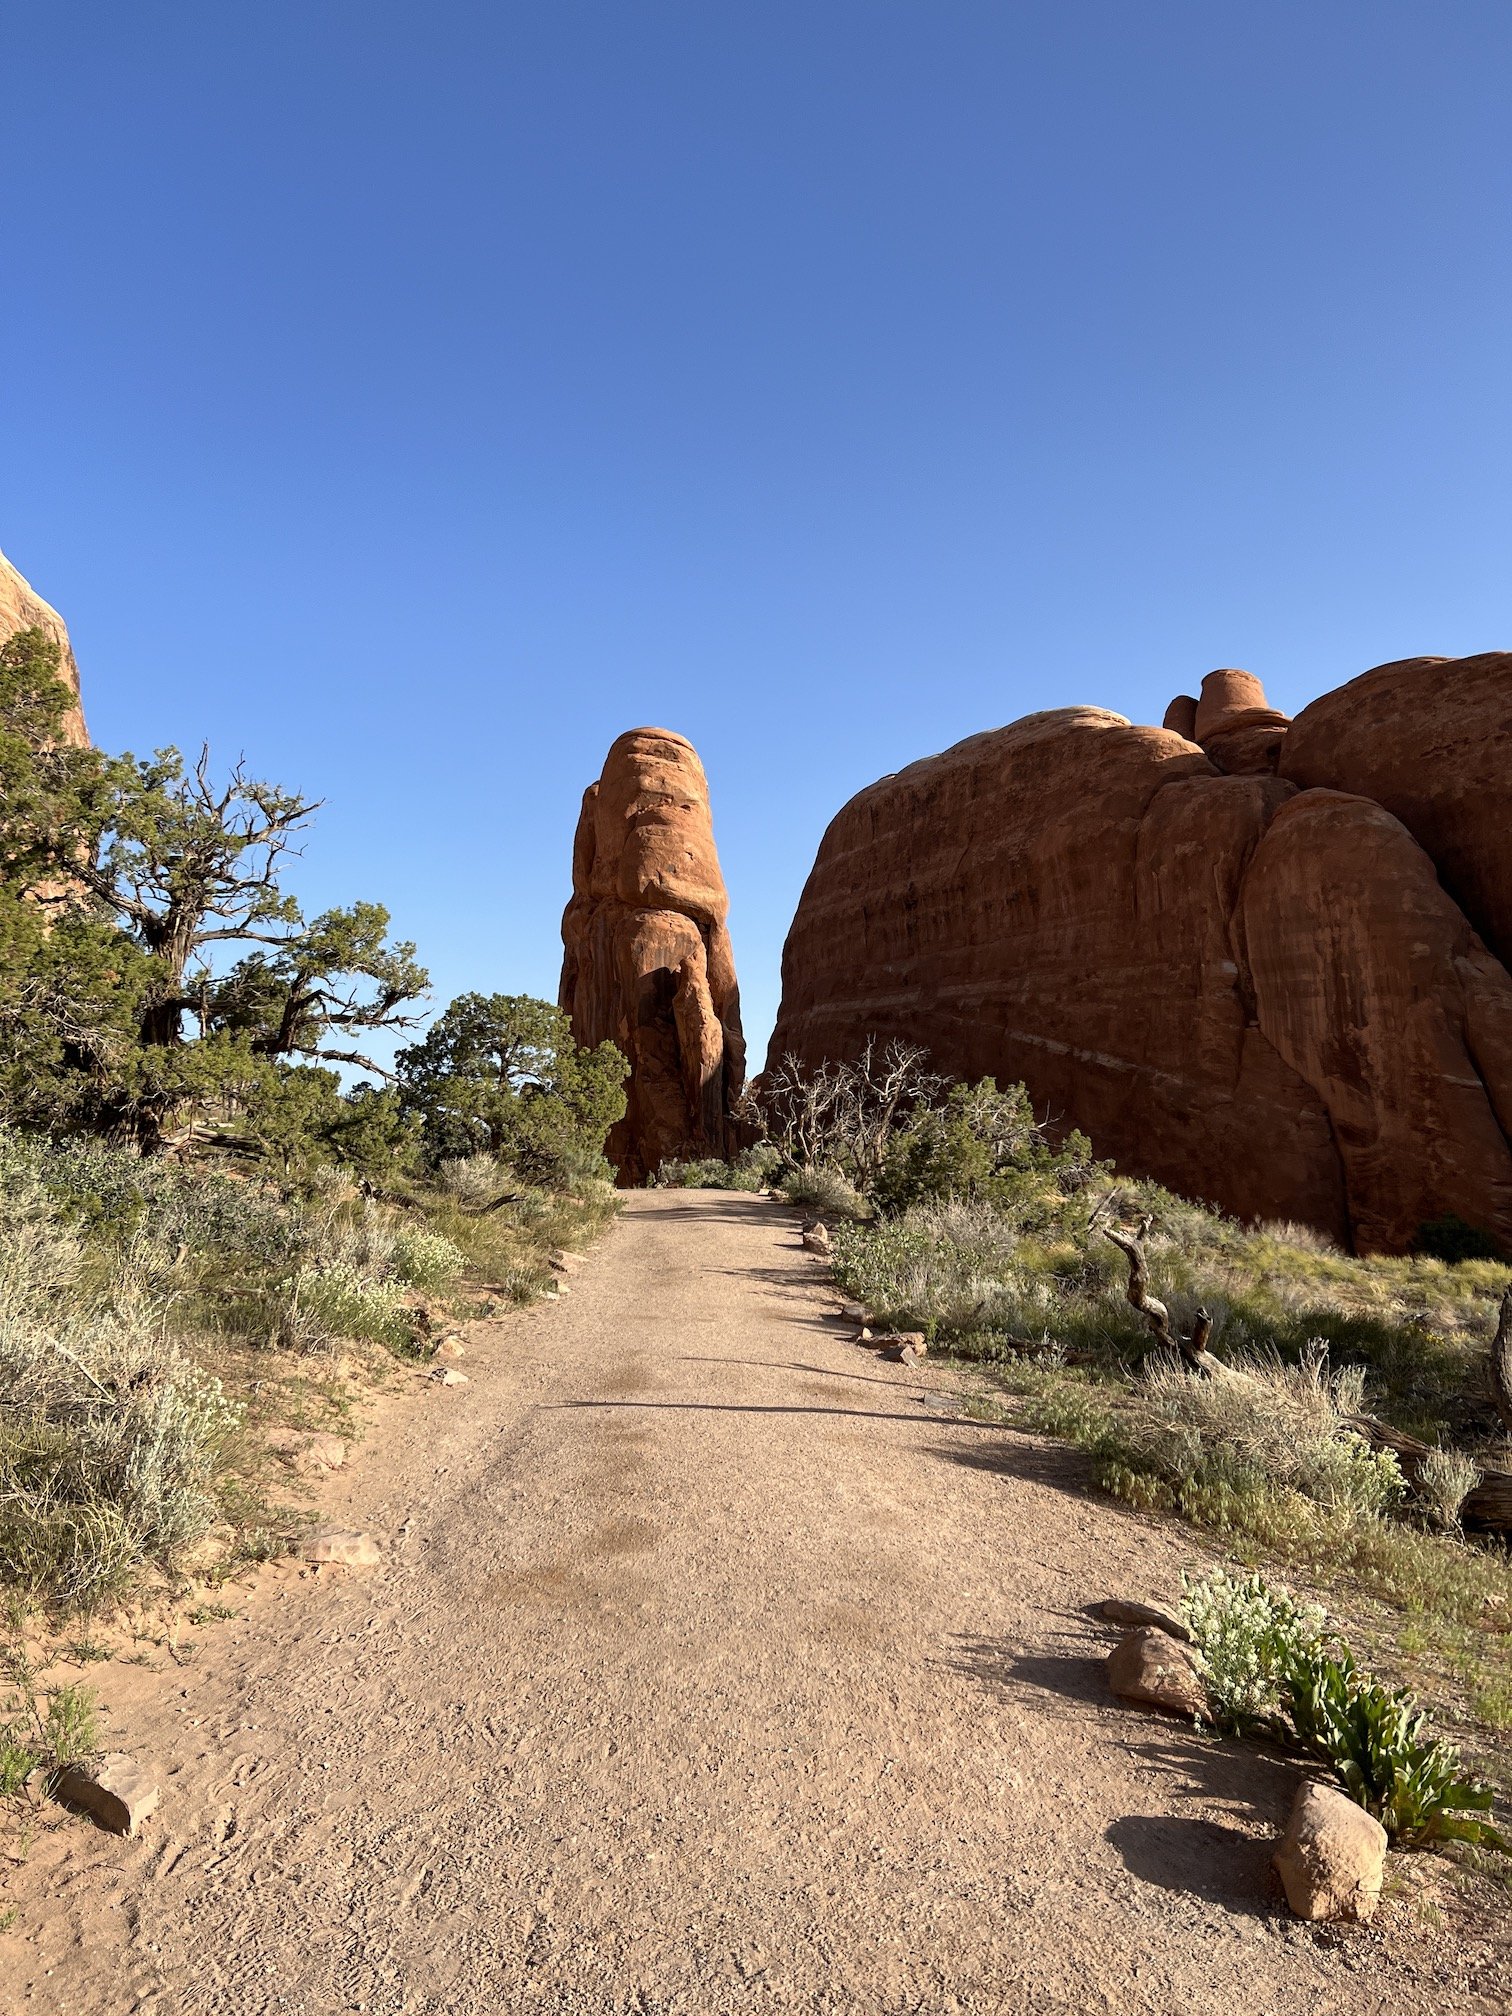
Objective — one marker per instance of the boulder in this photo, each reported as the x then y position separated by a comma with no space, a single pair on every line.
448,1375
116,1792
906,1344
1332,1857
1255,960
1154,1670
817,1240
647,960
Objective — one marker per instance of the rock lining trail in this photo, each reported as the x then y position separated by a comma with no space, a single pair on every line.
705,1670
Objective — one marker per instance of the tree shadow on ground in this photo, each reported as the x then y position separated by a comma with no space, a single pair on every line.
816,1371
705,1205
1027,1457
788,1285
912,1420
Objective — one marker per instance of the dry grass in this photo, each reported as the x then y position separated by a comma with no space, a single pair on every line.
155,1322
1267,1465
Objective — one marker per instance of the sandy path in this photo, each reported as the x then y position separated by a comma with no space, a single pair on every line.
707,1672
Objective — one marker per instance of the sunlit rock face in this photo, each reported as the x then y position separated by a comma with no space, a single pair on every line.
1262,961
648,963
22,608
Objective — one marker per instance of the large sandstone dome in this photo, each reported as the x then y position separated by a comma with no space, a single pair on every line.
647,961
1260,961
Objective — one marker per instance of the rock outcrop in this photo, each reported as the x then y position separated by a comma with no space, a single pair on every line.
1224,948
648,963
22,608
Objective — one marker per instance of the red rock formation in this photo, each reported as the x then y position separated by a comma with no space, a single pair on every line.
1431,740
22,608
648,963
1258,994
1239,732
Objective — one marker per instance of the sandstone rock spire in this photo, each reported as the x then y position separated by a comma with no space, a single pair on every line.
647,961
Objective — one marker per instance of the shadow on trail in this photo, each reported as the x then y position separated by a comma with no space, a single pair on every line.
712,1205
1225,1860
818,1371
1022,1454
1198,1857
919,1420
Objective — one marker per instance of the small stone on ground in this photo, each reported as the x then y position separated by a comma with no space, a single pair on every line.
115,1791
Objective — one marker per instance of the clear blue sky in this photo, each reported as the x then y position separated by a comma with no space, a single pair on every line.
415,396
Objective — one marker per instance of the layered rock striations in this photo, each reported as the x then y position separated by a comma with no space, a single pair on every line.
1257,960
22,608
647,963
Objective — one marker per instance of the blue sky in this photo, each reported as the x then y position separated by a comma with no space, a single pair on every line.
414,397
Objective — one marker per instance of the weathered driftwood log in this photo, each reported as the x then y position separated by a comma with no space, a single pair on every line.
1192,1350
1488,1506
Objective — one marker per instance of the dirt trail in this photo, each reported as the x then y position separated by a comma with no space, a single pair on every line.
706,1671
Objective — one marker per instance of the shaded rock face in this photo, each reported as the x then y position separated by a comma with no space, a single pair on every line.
647,963
22,608
1224,953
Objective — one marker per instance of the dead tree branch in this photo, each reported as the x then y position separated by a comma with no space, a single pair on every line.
1192,1350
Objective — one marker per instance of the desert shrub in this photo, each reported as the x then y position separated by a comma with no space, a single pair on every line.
114,1195
826,1191
361,1241
1300,1238
966,1271
709,1174
1270,1665
1375,1741
1444,1481
1277,1426
983,1145
754,1169
1073,1414
758,1167
46,1727
1450,1238
473,1180
315,1308
1247,1638
109,1438
426,1259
